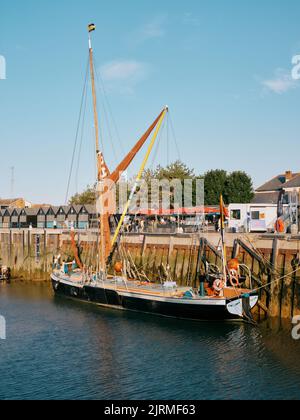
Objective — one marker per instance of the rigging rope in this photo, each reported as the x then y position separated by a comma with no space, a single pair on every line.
140,174
271,282
266,261
168,140
158,145
110,136
77,133
109,107
277,280
81,143
174,136
107,111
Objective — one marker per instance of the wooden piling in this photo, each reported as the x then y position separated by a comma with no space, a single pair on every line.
270,259
275,288
287,289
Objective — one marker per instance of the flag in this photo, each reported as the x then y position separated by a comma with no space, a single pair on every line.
92,27
104,171
223,210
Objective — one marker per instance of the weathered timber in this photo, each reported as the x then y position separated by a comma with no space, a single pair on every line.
271,258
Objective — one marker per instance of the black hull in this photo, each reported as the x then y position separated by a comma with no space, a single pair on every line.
110,298
102,296
65,290
180,311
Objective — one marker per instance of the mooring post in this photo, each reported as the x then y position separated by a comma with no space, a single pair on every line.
171,248
10,248
236,249
45,252
144,247
198,268
23,246
175,266
274,304
286,288
29,249
296,303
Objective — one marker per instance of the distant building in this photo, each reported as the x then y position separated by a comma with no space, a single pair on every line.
269,192
38,206
18,203
293,185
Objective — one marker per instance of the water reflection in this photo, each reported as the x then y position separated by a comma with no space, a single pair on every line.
62,349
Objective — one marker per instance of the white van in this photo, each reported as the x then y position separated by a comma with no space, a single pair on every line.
252,217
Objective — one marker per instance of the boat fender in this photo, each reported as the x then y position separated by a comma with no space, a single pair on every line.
188,295
218,285
233,264
279,226
234,278
118,267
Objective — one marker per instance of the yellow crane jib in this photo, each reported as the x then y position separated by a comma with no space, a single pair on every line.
140,174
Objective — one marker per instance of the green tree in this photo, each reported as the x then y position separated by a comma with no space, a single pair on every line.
239,188
214,185
176,170
86,197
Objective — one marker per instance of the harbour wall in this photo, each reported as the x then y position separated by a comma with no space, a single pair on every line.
274,260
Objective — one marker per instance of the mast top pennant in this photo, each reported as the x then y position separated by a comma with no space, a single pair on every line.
92,27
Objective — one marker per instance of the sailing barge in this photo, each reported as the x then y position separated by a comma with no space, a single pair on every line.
220,296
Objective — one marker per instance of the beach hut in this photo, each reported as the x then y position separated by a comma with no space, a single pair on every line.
61,217
41,218
6,218
32,217
15,219
50,217
1,218
72,216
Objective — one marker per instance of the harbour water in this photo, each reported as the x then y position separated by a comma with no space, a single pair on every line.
59,349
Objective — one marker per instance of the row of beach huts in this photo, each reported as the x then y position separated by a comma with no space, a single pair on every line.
77,216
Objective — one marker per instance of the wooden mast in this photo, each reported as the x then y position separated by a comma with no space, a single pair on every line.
105,245
96,120
101,175
224,250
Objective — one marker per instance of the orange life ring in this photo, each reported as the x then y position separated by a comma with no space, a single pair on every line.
218,285
118,267
279,226
233,264
234,278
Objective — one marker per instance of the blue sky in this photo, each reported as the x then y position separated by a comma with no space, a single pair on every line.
222,66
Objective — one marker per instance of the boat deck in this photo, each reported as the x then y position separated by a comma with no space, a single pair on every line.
133,286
